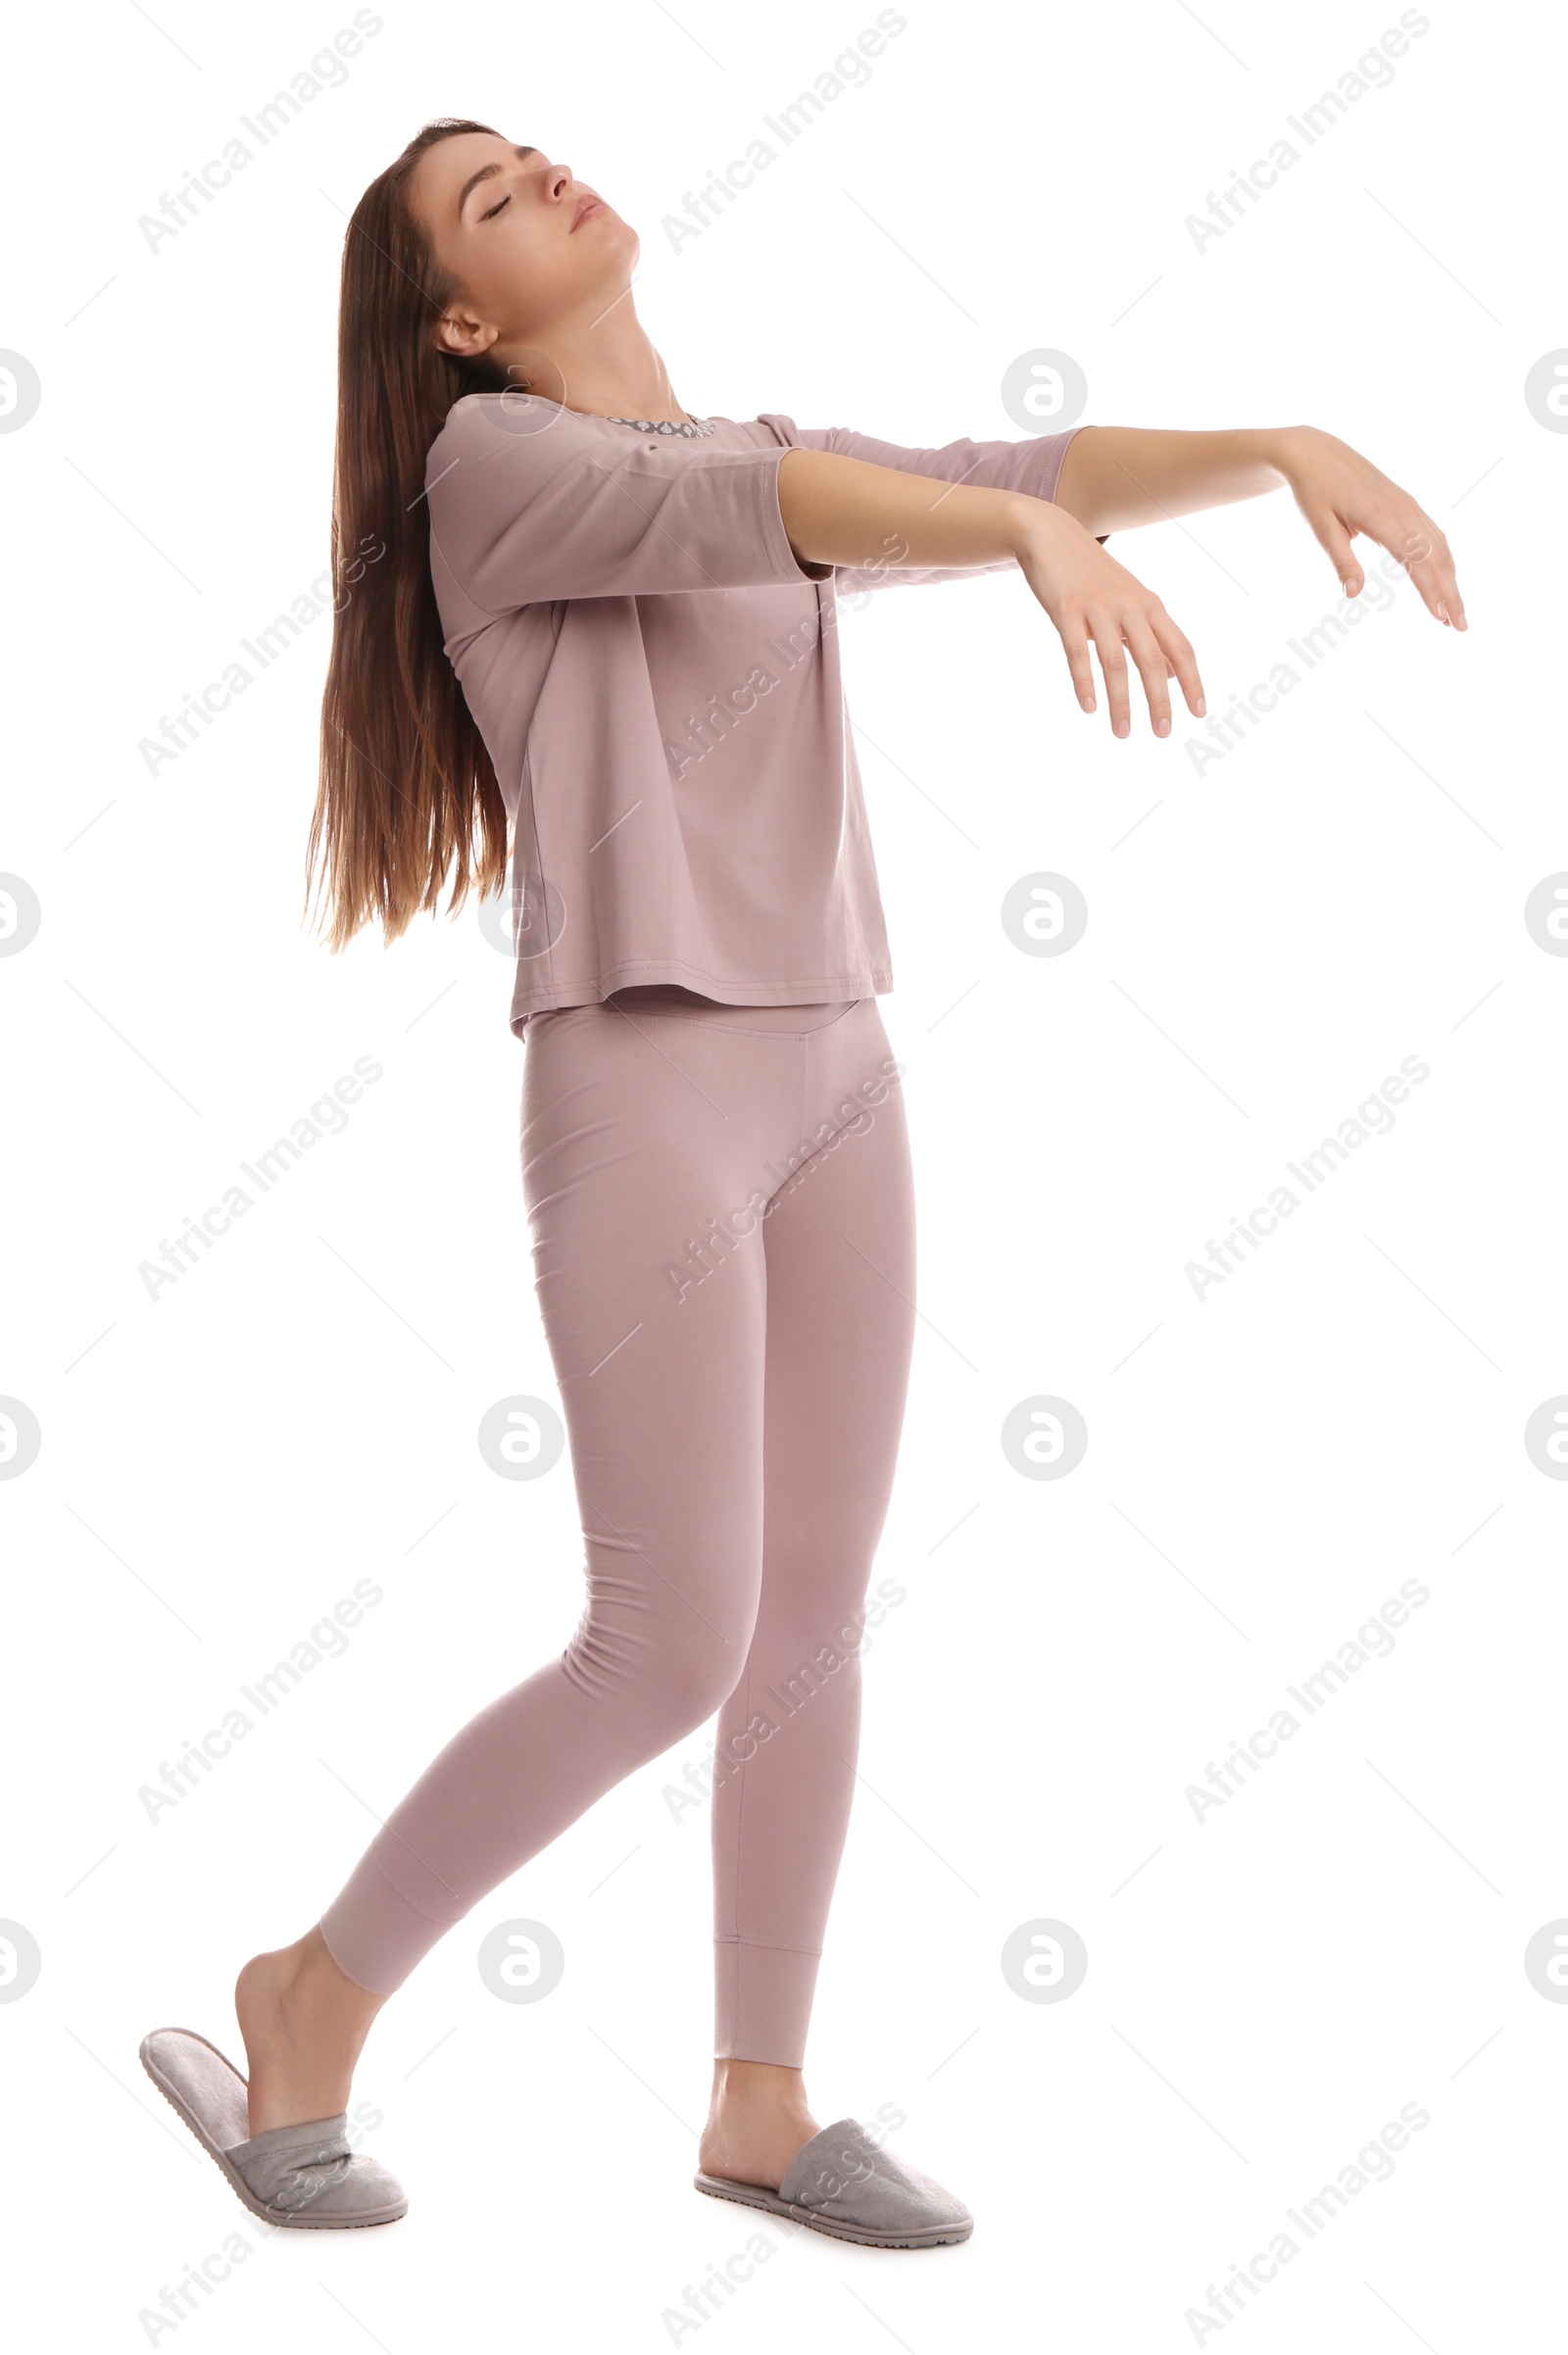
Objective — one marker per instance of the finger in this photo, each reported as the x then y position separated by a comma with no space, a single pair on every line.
1152,668
1449,587
1331,536
1452,602
1105,631
1426,557
1180,658
1075,646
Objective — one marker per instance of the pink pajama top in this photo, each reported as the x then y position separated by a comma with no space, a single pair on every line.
657,680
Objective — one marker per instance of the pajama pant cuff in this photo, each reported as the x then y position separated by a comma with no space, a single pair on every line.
762,2001
374,1934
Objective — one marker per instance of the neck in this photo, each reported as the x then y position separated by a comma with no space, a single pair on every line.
603,365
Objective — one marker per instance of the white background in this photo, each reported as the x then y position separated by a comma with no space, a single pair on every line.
1342,1938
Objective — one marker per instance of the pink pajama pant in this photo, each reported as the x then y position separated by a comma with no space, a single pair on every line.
723,1236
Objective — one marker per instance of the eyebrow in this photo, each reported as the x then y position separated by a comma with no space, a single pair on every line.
488,172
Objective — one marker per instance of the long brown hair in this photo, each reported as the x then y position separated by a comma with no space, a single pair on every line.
407,791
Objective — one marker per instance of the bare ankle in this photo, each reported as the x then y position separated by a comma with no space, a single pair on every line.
298,1993
304,2023
316,1979
758,2119
305,1971
759,2090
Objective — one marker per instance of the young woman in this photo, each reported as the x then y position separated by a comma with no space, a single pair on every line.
575,613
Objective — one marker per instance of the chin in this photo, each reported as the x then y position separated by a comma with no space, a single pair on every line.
623,238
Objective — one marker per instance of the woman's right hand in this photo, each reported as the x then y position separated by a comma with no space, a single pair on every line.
1092,600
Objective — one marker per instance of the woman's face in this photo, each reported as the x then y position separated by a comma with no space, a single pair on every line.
532,249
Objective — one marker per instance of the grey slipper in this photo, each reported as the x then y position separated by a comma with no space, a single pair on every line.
292,2175
844,2184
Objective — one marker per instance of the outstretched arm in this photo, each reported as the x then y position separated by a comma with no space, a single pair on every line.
1115,476
841,511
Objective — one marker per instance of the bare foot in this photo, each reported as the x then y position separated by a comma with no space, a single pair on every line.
756,2122
304,2025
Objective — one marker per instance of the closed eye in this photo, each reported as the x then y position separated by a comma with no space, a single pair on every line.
495,209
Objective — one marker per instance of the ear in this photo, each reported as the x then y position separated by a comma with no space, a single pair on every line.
463,335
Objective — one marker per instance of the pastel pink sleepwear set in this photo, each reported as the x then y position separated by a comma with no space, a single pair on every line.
714,1157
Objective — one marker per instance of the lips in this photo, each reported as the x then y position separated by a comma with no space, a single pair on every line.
587,209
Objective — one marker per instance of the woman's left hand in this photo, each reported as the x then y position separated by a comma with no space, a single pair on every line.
1341,494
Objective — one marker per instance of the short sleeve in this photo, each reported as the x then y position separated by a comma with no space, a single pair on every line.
530,503
1033,466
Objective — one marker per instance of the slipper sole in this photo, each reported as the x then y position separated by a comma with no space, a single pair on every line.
757,2196
236,2182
